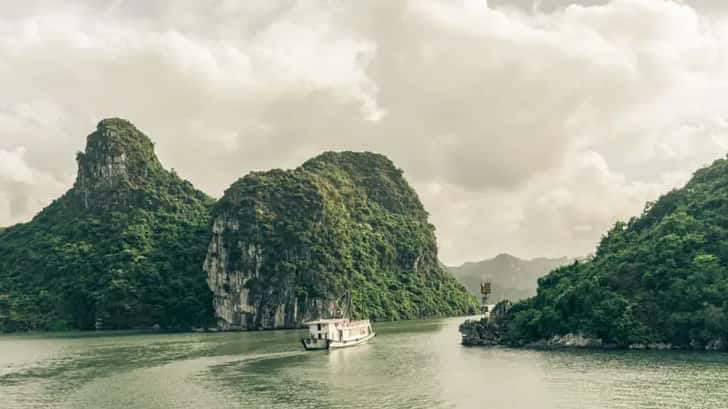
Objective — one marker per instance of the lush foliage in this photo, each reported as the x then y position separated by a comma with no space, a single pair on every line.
123,248
661,277
341,224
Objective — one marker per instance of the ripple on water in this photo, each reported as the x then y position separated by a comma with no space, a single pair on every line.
637,379
328,379
410,366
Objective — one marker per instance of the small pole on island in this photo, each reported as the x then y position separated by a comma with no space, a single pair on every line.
485,289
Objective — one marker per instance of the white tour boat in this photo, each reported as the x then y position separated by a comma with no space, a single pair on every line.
337,333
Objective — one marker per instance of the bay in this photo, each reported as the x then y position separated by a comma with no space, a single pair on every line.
413,364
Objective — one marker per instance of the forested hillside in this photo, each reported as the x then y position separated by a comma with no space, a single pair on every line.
126,245
122,248
344,231
660,278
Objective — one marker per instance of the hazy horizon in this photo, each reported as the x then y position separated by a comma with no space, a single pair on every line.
526,127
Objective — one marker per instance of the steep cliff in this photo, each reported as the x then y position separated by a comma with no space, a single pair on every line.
119,170
122,248
342,233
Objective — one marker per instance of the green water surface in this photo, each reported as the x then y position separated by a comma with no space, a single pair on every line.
417,364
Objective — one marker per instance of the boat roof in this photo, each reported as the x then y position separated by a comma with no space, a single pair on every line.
326,321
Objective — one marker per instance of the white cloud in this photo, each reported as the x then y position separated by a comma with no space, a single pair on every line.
13,168
524,130
21,186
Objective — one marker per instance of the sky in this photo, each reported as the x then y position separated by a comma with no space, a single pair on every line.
526,127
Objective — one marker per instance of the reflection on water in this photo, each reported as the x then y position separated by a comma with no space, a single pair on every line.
409,365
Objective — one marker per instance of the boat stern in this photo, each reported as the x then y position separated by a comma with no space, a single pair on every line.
313,344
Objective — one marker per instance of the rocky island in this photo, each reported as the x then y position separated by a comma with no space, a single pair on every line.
657,281
132,245
343,231
123,248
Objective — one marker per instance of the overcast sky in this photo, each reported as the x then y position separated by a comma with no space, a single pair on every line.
526,127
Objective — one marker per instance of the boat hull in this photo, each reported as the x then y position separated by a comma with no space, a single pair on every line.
351,343
332,333
312,344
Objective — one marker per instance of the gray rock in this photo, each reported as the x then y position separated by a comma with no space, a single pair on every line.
716,345
227,276
660,346
574,341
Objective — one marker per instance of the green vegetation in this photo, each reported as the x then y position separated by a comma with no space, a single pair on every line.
342,223
511,278
659,278
123,248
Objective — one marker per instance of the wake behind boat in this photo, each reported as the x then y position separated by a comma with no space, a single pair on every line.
337,333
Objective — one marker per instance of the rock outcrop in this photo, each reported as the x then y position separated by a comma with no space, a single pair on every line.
123,248
116,167
234,306
487,331
342,234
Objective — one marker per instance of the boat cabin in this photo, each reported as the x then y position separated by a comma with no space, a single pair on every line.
337,332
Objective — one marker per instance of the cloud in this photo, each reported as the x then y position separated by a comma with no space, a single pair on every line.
529,130
13,168
21,186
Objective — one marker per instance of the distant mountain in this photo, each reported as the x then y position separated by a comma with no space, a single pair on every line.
122,248
511,278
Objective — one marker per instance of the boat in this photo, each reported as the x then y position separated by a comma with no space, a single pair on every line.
334,333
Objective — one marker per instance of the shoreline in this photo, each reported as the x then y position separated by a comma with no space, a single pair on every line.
152,331
487,334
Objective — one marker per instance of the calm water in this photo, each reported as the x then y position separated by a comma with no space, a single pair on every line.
410,365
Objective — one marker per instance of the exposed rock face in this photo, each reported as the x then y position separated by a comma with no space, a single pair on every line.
716,345
487,331
118,162
289,246
569,341
480,333
234,306
494,331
